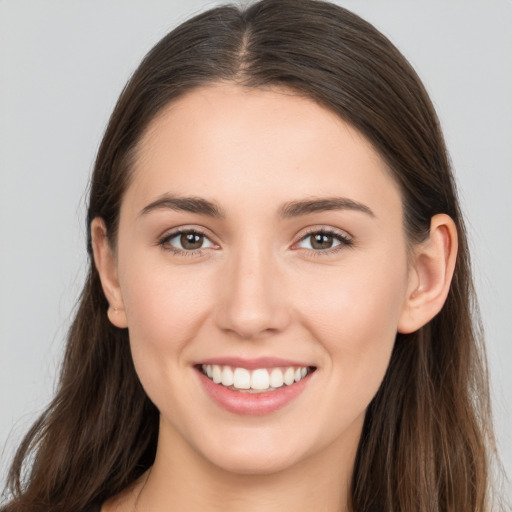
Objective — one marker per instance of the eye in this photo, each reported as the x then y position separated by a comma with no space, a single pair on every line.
186,241
324,240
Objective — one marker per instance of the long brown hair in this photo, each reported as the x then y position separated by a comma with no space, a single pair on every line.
427,435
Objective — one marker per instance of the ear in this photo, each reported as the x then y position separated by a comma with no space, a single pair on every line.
106,265
430,275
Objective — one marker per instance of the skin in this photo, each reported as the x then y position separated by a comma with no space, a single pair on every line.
259,288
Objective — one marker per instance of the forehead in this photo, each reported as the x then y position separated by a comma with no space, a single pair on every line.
259,146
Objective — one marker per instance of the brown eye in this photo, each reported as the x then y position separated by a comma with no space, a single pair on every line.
191,241
322,241
186,241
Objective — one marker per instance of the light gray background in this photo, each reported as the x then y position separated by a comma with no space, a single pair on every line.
62,66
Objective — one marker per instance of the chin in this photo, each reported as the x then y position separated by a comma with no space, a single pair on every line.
260,464
257,454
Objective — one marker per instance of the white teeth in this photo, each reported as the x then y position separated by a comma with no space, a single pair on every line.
289,376
260,379
216,374
255,380
242,379
276,378
227,376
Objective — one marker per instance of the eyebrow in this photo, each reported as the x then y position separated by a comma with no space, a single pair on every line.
305,207
190,204
288,210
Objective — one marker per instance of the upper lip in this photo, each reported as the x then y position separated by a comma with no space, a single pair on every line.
253,364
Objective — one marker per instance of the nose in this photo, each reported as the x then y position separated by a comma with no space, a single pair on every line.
252,302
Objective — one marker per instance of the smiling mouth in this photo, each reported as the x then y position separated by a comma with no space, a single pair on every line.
260,380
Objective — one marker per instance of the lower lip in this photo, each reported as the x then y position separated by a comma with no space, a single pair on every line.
252,404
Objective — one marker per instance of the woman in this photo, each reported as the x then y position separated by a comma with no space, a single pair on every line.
278,312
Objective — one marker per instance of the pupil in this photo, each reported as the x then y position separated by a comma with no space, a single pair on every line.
191,241
322,241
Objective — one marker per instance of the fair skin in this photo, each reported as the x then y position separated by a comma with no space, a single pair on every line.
325,288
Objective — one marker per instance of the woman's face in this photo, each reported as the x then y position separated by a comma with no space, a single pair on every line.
260,233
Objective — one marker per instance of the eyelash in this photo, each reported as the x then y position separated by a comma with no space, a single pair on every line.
345,241
164,242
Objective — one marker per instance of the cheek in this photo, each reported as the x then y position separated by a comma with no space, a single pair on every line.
160,301
361,296
353,312
165,308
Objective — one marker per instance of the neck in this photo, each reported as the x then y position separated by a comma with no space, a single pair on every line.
181,479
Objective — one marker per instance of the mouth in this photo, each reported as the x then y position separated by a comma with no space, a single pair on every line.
254,381
254,387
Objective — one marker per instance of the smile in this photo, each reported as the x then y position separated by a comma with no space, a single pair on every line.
259,380
254,387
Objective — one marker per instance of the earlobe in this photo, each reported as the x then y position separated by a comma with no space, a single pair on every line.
430,275
107,268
